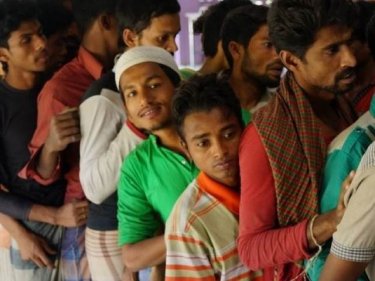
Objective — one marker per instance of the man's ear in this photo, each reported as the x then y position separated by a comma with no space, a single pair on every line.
4,55
130,38
290,61
185,148
235,50
107,21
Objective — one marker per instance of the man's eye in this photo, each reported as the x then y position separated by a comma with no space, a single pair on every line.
268,44
202,143
332,50
163,38
130,94
26,40
154,85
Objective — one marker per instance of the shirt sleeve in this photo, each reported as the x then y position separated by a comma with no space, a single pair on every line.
105,142
137,220
261,242
354,239
48,107
188,255
15,206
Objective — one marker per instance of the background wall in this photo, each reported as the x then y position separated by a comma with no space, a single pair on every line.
190,51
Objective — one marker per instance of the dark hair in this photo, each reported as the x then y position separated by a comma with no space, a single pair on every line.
53,16
12,14
137,14
203,93
211,21
294,24
172,75
365,11
240,25
371,36
87,11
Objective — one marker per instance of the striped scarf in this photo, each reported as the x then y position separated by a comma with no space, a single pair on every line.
296,151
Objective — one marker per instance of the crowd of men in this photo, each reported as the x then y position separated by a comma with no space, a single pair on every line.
116,165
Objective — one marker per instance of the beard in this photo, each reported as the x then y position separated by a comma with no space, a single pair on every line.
336,88
261,78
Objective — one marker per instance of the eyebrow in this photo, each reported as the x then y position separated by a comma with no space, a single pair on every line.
204,135
148,79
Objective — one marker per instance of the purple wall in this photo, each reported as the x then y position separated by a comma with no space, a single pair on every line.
183,56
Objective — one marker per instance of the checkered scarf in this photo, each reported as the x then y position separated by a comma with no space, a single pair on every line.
296,150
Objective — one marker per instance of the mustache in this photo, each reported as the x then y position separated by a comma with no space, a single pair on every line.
348,72
275,65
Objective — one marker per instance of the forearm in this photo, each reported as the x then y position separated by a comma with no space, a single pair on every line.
47,162
274,246
43,214
323,228
135,257
14,206
15,229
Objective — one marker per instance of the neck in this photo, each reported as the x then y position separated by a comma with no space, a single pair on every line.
169,138
249,92
212,65
94,43
330,115
21,80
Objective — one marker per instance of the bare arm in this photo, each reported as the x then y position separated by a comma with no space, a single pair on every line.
31,247
336,269
144,254
69,215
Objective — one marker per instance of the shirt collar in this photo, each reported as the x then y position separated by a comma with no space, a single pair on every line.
135,130
91,64
229,198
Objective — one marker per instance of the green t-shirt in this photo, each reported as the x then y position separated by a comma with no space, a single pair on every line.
345,153
246,116
187,73
152,179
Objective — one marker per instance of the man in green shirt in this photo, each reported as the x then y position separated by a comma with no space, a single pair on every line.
154,174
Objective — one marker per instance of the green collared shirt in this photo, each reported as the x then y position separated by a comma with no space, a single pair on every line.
344,154
152,179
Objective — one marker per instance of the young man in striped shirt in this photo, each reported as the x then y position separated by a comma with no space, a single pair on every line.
202,229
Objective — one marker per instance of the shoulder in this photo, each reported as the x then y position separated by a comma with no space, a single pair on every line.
360,134
184,209
98,87
139,157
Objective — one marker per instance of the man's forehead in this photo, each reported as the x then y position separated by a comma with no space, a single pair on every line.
335,34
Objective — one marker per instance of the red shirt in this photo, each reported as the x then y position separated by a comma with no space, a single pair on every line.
262,244
65,89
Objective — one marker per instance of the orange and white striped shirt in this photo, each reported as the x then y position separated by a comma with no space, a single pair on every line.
201,235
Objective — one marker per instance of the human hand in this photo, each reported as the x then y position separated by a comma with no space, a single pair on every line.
34,248
64,129
72,214
340,209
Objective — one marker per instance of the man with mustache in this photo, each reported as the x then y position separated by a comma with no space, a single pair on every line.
157,171
254,65
283,151
141,22
352,245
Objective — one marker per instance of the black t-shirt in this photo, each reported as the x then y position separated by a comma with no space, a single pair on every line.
18,117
